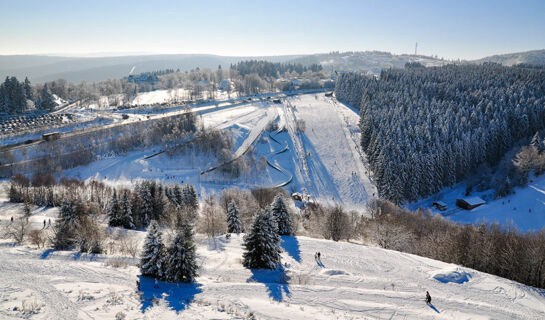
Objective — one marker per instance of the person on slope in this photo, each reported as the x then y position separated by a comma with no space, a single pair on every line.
428,297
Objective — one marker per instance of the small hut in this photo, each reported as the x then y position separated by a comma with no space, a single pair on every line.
469,203
440,205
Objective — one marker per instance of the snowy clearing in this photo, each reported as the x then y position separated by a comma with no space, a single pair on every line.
524,209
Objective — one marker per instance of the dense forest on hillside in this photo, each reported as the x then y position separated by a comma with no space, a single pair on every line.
427,128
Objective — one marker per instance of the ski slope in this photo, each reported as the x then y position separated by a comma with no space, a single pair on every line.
334,158
324,161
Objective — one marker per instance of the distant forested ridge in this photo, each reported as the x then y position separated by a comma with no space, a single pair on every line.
271,69
427,128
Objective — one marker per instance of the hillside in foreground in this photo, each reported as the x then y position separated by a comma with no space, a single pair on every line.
352,281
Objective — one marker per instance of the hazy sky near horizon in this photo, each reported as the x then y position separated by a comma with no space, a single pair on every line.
451,29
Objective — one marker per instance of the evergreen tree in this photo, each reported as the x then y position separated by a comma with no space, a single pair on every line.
28,89
113,210
125,213
177,195
233,220
281,216
536,141
152,263
181,257
146,200
64,230
262,243
47,102
189,196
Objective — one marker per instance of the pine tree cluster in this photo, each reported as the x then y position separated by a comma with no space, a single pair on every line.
14,96
427,128
175,263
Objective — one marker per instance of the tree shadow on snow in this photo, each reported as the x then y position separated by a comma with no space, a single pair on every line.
46,253
433,307
276,282
290,244
178,296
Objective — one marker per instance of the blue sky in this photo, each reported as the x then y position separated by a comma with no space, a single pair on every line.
450,29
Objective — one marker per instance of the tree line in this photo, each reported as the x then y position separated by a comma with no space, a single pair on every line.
427,128
18,97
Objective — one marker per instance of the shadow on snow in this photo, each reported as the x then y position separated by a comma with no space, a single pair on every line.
433,307
291,246
276,282
46,253
178,296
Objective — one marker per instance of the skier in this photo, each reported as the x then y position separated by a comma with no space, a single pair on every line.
428,297
11,219
49,222
319,257
44,223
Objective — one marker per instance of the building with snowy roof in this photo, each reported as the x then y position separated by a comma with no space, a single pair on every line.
469,203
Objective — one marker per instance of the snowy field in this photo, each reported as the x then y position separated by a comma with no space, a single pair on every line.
352,281
323,161
524,209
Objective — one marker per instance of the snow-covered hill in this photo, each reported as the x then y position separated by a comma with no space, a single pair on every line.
351,282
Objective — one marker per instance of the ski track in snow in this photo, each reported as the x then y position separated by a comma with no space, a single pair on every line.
356,282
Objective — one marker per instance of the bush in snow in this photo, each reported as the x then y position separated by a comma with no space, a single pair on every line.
262,243
152,263
282,216
212,218
337,224
233,220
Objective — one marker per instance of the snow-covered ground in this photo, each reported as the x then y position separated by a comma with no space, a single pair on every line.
524,209
323,161
352,281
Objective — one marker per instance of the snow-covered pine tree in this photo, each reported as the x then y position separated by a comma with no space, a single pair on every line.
177,195
157,194
282,216
190,196
64,234
181,258
125,213
536,140
147,205
152,262
233,220
262,243
113,211
67,212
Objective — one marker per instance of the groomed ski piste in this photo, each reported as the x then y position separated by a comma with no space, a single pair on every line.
352,281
